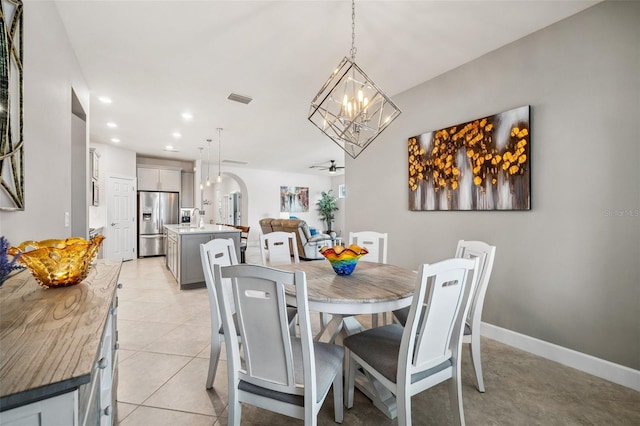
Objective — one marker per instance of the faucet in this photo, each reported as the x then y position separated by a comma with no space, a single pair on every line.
198,217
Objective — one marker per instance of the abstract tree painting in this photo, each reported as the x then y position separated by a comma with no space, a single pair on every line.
482,164
11,141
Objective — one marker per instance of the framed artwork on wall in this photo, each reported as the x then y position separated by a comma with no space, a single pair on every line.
342,191
482,164
11,140
294,199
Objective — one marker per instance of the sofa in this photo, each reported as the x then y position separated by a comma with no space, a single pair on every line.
308,245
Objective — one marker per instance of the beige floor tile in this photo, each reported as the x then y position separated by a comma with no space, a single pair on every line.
124,410
124,354
185,340
134,335
186,390
143,373
149,416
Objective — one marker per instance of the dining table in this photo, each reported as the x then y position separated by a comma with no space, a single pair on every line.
372,288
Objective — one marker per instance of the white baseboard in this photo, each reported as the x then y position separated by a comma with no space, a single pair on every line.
607,370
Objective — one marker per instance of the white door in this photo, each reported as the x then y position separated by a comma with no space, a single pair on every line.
120,230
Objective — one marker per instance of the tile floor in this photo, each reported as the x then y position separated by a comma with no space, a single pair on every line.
163,361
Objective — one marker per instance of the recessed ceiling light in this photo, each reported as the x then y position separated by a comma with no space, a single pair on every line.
170,148
104,99
187,116
115,140
112,124
177,135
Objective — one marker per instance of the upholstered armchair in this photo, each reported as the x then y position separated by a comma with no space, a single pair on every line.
308,245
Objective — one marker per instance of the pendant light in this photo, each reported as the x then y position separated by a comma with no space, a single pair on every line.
209,163
201,185
350,108
219,178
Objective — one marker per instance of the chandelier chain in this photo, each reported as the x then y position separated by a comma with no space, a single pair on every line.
353,31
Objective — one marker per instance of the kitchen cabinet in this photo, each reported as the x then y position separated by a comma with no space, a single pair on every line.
72,377
172,253
155,179
184,260
186,190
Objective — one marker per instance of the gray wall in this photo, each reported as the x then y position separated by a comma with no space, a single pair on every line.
568,271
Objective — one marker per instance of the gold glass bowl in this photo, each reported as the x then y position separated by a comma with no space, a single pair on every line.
58,263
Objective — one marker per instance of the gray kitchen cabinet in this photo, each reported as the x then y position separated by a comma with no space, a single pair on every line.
183,251
155,179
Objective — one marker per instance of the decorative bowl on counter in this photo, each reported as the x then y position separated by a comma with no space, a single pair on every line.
58,263
343,259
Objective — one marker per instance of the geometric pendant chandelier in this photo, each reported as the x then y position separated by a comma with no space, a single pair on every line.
350,108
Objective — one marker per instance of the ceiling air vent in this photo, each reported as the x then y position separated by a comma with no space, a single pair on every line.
239,98
234,162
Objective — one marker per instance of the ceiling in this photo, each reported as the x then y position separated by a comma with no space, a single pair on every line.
158,59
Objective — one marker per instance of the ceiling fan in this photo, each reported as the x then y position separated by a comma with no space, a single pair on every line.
332,167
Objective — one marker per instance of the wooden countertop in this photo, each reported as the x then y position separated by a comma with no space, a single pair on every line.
50,338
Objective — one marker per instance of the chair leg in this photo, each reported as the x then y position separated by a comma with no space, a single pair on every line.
403,404
455,397
476,360
338,398
234,410
214,356
350,378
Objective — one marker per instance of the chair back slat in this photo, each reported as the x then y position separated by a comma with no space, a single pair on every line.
374,242
443,291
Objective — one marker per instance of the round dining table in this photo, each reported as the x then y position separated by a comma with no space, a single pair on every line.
371,288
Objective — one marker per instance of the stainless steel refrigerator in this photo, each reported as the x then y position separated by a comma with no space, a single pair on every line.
155,209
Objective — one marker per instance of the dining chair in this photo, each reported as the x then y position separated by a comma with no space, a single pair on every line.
408,360
374,242
279,248
219,251
376,245
244,239
486,254
282,373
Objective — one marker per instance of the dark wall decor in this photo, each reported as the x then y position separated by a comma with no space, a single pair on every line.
11,141
483,164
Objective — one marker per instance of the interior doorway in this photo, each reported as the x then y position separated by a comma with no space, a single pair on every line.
226,201
120,229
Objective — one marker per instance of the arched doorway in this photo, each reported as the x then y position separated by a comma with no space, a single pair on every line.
226,201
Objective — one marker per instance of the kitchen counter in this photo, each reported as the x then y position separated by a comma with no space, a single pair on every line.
49,338
183,250
207,229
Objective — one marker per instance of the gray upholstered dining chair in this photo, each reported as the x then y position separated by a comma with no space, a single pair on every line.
486,254
279,248
408,360
221,251
282,373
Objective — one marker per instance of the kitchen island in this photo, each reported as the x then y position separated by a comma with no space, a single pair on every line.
59,350
183,250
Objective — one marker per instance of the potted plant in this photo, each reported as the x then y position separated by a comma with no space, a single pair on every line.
327,206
